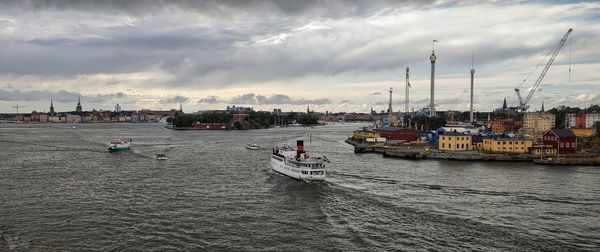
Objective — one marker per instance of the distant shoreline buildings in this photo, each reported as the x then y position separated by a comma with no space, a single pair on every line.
96,116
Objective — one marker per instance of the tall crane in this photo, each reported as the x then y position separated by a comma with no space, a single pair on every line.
17,107
523,102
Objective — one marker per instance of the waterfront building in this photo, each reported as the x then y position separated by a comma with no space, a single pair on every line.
581,120
399,134
73,118
35,116
590,119
575,120
507,145
537,123
454,141
234,109
43,117
56,119
364,133
564,140
500,126
537,150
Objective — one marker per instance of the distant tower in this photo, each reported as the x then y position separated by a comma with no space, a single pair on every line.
504,107
472,73
432,58
308,109
542,105
51,107
180,108
78,108
118,108
407,93
390,109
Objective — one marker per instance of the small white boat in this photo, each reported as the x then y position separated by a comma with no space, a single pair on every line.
75,126
296,163
161,156
251,146
119,145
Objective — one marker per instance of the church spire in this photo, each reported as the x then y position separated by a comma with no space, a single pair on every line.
51,106
542,105
78,107
504,107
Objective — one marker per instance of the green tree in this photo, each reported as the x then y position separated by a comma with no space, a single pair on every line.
307,119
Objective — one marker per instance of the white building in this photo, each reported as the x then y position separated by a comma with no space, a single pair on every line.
570,120
590,119
577,120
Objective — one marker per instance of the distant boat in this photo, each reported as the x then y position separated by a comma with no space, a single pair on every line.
161,156
119,145
252,146
298,164
75,126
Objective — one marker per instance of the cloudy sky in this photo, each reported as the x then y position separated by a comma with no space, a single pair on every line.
331,55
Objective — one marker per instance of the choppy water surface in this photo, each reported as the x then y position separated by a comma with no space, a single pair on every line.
60,190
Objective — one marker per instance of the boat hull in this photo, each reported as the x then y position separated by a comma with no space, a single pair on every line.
118,148
299,173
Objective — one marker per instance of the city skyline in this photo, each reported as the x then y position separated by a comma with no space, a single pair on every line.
276,54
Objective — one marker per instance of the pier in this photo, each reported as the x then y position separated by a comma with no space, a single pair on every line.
411,151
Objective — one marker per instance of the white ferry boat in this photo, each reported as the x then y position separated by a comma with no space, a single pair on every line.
252,146
119,145
298,164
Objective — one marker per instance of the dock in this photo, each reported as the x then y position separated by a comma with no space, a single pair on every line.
420,151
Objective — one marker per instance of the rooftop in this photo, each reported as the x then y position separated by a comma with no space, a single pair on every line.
563,132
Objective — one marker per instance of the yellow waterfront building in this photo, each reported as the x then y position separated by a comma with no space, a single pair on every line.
364,134
507,145
455,142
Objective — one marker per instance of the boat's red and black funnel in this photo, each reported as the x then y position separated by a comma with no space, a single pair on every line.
299,148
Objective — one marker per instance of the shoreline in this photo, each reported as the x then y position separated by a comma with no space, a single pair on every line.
430,152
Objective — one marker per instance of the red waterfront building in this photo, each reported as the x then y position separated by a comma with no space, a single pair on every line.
402,134
562,139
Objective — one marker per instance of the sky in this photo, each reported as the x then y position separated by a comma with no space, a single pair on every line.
331,55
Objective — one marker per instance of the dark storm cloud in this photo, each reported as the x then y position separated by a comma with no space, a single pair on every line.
16,95
175,99
252,98
329,8
177,49
104,97
210,100
58,96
